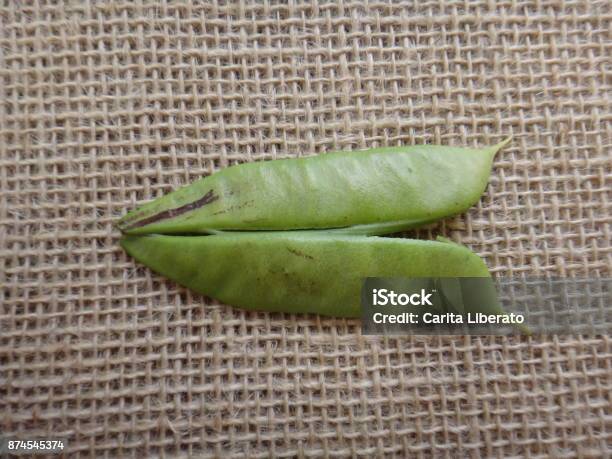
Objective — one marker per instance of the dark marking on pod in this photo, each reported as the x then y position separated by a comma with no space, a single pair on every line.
171,213
234,208
300,254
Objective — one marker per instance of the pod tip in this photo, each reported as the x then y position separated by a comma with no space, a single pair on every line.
125,241
525,330
135,245
503,143
119,225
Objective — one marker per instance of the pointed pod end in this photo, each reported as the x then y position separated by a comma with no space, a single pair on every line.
120,225
133,244
445,240
524,329
127,243
501,144
125,223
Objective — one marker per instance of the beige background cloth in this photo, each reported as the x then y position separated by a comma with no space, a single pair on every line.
107,105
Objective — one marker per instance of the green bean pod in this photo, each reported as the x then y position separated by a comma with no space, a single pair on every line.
363,192
298,271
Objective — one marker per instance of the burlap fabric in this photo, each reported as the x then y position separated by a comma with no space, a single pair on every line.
107,105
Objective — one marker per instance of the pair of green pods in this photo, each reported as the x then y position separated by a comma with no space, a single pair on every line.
300,235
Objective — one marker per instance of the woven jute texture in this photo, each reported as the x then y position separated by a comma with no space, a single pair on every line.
104,106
